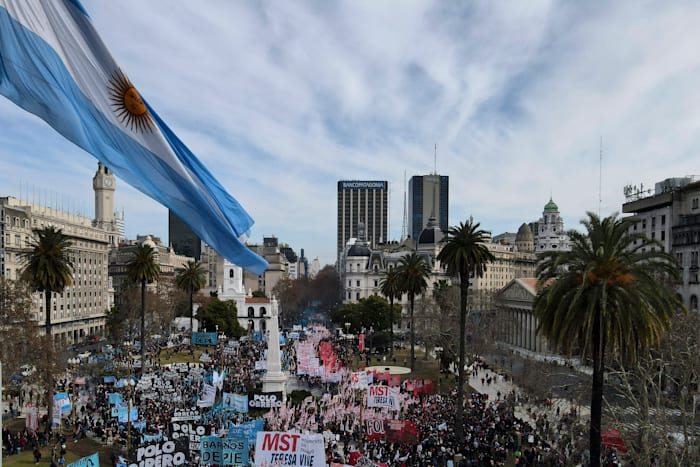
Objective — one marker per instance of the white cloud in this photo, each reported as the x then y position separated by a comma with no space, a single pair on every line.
280,100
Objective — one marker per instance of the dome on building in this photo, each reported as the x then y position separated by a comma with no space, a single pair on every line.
524,234
551,206
359,249
431,234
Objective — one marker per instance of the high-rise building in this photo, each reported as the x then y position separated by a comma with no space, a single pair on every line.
428,196
670,215
79,310
183,240
366,202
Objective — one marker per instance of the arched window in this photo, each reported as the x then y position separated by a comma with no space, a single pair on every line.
693,303
251,325
230,273
263,326
263,311
251,312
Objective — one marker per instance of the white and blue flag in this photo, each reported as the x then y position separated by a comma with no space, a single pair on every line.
54,65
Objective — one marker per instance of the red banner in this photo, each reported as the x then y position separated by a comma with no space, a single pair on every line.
362,342
401,431
374,429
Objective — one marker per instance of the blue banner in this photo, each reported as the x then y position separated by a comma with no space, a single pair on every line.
248,430
93,460
204,338
109,379
115,398
224,451
122,417
235,402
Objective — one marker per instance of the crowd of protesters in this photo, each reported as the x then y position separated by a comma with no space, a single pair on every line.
491,431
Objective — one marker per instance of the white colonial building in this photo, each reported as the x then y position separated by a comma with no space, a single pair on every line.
253,312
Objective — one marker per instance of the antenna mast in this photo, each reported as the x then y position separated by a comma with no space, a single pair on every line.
600,176
435,159
404,227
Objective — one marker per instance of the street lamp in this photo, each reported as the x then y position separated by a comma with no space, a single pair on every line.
130,389
73,362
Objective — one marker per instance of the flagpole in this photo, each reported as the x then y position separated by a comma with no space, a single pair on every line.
2,411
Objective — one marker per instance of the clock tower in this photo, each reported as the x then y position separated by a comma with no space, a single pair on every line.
104,184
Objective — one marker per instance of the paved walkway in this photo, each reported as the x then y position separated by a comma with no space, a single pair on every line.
500,387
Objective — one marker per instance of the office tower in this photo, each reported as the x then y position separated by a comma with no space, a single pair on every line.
183,240
428,196
366,202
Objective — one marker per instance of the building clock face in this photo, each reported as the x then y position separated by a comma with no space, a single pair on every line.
108,182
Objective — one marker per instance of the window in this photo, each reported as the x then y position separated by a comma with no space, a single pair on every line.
251,312
695,203
663,235
694,303
376,283
644,224
230,273
349,295
663,219
357,295
349,282
357,283
263,311
653,221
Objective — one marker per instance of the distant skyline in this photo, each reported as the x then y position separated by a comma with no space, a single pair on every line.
282,100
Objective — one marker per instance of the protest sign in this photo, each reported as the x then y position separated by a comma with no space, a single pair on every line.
93,460
204,338
292,449
192,432
185,415
224,451
160,454
270,400
383,396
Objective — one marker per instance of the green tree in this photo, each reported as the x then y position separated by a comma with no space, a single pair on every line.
191,279
371,312
610,293
221,313
143,268
413,272
465,254
390,287
48,267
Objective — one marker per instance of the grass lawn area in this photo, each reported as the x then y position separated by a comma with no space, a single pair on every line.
180,357
74,451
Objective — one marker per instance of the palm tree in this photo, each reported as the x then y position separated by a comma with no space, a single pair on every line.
465,254
413,272
389,286
611,292
191,279
48,268
143,268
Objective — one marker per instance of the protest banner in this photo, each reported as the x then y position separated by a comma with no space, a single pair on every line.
192,432
224,451
183,415
383,396
374,429
204,338
160,454
270,400
248,430
291,449
93,460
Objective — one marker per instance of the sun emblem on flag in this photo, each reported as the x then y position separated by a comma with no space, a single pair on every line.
128,105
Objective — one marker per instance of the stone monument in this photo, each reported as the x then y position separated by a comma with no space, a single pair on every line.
274,380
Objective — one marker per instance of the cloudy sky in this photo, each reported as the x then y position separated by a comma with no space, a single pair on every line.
280,100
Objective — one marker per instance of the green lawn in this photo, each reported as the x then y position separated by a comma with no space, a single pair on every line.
74,451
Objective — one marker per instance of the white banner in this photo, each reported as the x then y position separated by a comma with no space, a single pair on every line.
292,449
383,396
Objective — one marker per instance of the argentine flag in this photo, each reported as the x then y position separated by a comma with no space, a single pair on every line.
54,65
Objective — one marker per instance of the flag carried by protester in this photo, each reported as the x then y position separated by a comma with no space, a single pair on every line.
54,65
